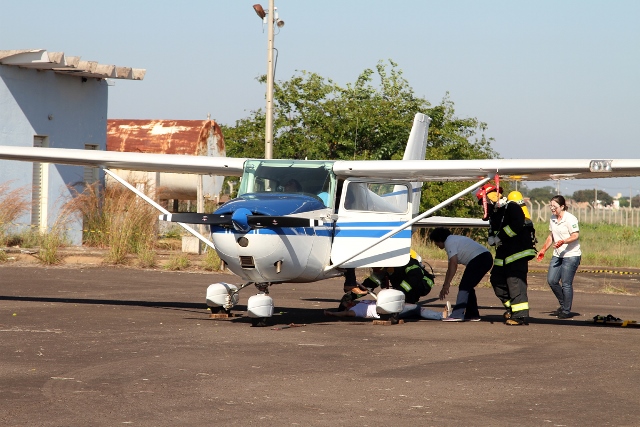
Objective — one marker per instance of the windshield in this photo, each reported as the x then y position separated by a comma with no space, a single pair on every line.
310,177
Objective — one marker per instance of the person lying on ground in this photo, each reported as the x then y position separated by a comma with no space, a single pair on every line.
367,309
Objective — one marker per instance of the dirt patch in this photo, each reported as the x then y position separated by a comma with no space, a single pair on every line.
84,260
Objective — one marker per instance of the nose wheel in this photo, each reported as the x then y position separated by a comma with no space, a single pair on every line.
260,307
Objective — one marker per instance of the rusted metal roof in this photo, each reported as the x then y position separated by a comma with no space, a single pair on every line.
192,137
187,137
57,62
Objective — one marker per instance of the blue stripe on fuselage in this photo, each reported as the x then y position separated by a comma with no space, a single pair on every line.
342,231
370,224
371,229
282,231
371,233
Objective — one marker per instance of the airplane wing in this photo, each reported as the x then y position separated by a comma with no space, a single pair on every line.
472,170
225,166
414,170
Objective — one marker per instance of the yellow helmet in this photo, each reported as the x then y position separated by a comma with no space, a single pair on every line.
516,196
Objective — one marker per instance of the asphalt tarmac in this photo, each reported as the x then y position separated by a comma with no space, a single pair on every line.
103,346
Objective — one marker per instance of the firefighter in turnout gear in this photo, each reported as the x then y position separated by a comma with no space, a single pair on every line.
512,240
412,279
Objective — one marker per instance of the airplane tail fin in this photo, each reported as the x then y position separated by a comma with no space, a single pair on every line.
417,143
416,150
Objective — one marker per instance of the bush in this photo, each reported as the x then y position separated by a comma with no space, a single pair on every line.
13,204
178,262
147,256
49,244
212,261
115,218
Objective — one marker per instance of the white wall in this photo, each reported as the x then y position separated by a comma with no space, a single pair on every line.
69,111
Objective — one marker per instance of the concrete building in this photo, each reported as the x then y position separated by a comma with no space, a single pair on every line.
48,99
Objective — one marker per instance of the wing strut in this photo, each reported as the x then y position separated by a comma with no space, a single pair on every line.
160,208
410,223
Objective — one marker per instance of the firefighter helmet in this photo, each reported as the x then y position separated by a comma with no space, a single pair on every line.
490,191
516,196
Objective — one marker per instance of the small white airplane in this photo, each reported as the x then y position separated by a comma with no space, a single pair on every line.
291,223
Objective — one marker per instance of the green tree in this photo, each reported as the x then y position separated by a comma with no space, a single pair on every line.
542,194
589,196
316,118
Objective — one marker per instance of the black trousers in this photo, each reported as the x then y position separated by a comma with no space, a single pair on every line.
509,283
350,277
467,301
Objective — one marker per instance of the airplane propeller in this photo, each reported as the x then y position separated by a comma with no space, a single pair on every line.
241,221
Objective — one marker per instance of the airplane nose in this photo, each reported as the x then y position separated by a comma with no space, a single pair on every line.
240,221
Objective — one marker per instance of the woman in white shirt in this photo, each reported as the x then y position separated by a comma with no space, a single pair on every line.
564,235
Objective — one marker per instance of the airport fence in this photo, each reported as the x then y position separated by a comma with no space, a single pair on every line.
588,214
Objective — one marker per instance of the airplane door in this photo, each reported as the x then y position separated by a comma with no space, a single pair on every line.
368,210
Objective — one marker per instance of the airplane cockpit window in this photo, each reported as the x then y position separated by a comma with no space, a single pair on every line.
376,197
312,178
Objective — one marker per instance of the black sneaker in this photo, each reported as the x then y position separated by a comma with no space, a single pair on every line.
556,312
564,315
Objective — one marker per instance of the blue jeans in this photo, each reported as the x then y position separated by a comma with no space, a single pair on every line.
560,279
414,310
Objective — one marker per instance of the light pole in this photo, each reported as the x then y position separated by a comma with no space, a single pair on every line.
270,21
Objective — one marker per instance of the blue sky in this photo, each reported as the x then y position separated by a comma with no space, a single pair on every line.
552,79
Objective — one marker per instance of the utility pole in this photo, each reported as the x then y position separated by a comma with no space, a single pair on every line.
268,130
270,18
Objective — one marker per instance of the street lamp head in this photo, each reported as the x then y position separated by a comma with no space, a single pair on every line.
259,11
280,23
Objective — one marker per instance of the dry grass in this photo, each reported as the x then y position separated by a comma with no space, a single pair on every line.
177,263
13,204
211,261
147,256
169,244
608,288
50,244
117,219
